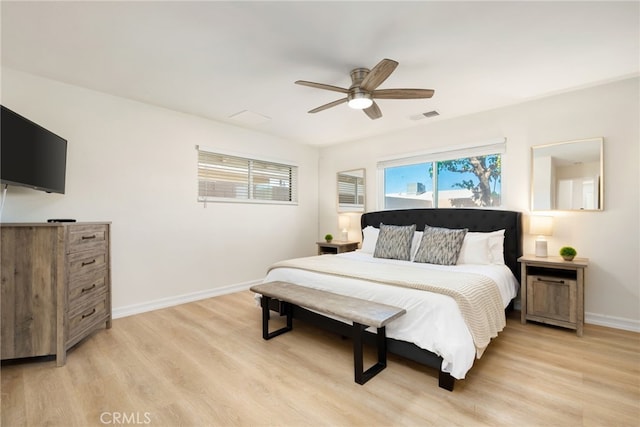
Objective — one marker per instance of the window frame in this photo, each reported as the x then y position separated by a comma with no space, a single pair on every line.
488,148
251,172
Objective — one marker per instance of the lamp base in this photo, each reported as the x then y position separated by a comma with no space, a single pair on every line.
541,248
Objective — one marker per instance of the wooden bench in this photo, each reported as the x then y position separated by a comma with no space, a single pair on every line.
361,312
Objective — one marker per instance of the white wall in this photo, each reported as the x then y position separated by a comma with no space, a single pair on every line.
610,239
135,165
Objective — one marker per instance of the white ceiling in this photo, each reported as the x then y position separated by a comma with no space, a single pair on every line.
216,59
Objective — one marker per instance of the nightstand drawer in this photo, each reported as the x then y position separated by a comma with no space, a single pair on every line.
552,298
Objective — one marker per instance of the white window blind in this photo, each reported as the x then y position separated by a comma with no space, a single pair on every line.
224,177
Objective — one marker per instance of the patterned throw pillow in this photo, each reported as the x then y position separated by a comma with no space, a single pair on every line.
394,242
440,245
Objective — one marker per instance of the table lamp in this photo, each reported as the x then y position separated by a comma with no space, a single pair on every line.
541,226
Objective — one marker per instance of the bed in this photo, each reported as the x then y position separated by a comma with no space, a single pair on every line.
440,328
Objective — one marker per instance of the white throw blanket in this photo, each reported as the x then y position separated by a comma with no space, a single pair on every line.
477,296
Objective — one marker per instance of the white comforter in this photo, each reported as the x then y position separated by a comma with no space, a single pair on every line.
433,321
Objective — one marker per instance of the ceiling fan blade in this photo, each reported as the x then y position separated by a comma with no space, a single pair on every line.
402,93
322,86
329,105
373,112
378,74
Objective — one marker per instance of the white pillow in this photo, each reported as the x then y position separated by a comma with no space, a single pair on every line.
415,244
482,248
475,249
496,246
369,239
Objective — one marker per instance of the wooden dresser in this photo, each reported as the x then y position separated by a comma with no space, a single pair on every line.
56,286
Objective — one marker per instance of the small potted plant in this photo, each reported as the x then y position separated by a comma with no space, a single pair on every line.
567,253
328,238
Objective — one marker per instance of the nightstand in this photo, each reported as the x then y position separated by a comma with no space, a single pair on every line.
336,247
552,291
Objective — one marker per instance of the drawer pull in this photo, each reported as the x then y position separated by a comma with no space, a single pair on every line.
541,279
93,261
88,289
84,316
93,236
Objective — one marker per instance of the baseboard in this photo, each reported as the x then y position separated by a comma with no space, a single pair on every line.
130,310
604,320
612,322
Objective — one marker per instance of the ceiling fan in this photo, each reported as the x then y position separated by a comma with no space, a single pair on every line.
362,92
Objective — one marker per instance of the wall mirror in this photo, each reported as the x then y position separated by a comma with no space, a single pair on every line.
351,191
568,175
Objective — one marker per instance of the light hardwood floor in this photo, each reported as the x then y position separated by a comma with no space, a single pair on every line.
206,364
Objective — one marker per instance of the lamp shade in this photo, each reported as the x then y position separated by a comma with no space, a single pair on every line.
343,222
541,225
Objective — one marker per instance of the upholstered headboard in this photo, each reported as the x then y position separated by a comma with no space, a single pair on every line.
472,219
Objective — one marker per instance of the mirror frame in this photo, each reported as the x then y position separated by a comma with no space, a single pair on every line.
348,207
558,148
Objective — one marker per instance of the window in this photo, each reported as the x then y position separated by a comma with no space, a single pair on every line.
459,178
223,177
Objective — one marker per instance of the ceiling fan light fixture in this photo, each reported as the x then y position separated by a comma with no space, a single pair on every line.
364,88
360,101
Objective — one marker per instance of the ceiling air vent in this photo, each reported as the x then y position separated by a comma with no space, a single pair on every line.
433,113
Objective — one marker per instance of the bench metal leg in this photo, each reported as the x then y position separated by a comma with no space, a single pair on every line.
381,338
264,302
361,376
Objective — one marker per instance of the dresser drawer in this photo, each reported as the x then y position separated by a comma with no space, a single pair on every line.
84,265
87,317
80,292
83,237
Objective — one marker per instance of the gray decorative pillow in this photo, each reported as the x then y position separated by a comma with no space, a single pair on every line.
394,242
440,245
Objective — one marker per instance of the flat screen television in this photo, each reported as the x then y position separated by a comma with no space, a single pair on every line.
30,155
